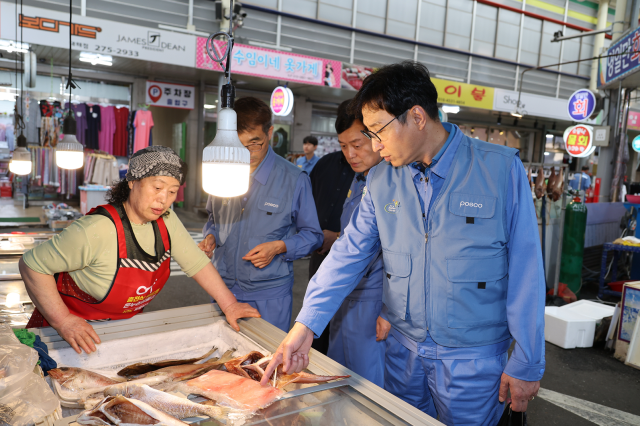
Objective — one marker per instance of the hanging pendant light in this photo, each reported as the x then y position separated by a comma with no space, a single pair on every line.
21,161
69,152
225,161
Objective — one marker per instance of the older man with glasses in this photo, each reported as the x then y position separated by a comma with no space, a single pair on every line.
253,239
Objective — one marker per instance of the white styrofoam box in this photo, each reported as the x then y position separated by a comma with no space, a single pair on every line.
114,355
568,329
594,310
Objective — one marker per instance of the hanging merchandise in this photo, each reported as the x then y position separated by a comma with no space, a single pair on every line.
131,129
101,169
94,122
46,178
107,129
31,117
143,124
80,112
121,136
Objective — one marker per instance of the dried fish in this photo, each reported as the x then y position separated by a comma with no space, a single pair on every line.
141,368
189,371
119,410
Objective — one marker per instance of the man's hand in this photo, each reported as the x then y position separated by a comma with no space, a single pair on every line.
293,352
207,245
521,392
382,329
238,310
262,254
78,333
330,237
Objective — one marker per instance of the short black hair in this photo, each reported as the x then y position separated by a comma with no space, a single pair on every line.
252,112
310,139
585,168
345,117
395,88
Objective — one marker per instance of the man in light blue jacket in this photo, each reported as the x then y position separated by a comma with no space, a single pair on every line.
462,260
258,235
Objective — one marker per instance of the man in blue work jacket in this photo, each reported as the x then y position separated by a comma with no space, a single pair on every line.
309,160
581,181
462,259
358,330
258,235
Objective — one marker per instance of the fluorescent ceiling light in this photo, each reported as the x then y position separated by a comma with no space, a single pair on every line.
207,106
516,114
546,153
14,46
451,109
96,58
183,30
549,136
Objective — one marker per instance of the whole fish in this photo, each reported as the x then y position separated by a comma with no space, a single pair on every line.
169,404
78,379
551,182
189,371
141,368
540,187
90,395
557,187
119,410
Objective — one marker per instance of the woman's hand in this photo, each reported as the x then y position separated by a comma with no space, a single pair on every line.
78,333
238,310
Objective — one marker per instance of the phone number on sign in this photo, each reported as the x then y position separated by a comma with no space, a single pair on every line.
116,51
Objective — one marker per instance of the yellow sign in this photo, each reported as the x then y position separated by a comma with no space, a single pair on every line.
463,94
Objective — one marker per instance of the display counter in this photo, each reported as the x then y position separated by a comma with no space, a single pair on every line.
351,401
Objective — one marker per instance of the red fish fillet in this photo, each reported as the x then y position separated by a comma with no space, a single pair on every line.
235,391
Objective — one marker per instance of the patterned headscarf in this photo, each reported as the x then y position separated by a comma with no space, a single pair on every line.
156,161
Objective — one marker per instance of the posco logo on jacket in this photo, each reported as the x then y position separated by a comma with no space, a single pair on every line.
468,204
271,205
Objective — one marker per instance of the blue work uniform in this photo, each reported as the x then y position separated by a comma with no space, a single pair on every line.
307,165
352,340
463,277
584,184
278,206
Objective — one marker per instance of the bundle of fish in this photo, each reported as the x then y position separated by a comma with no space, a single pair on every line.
142,396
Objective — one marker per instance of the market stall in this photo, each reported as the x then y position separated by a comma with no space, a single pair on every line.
184,332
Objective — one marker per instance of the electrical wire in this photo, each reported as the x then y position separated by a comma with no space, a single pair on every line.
213,53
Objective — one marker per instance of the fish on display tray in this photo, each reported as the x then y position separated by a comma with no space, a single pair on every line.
189,371
119,410
143,367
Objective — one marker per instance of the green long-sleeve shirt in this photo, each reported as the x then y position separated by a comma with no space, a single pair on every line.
88,250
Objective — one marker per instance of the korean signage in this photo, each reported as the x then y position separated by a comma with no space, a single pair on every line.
170,95
618,66
463,94
50,28
633,121
267,63
581,105
281,101
636,144
579,140
530,104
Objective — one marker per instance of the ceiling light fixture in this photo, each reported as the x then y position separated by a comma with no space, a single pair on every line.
21,160
96,58
207,106
225,161
14,46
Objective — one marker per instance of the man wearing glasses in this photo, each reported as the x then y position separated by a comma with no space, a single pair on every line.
463,272
258,235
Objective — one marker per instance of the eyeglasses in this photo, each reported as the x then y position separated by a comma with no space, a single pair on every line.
255,146
369,134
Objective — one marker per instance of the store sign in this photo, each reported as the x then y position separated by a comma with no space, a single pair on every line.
281,101
50,28
267,63
635,144
581,104
622,64
463,94
170,95
578,140
633,120
530,105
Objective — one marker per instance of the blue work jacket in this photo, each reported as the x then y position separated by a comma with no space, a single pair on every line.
278,206
427,275
307,165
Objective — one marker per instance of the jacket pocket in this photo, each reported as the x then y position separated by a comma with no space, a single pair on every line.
477,291
470,205
397,269
270,205
278,267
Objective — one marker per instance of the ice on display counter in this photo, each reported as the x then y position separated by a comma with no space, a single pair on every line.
315,397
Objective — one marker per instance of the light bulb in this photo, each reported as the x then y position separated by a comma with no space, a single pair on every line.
69,152
21,161
69,160
12,300
225,161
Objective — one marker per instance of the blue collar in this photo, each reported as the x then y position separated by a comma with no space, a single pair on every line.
309,161
443,159
261,174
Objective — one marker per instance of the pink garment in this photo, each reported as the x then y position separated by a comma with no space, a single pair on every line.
143,124
107,129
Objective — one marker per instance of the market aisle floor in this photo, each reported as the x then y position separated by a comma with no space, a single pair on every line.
591,375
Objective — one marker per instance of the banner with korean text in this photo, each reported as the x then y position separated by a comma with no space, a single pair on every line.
624,63
463,94
268,63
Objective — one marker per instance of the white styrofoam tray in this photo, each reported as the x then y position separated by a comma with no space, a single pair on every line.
574,325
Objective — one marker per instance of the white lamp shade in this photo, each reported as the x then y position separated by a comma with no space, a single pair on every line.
225,161
69,153
20,167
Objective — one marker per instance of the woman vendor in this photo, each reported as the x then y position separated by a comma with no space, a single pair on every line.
112,262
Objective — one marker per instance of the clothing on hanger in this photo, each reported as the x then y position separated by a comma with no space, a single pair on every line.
121,137
80,111
107,129
94,122
132,133
143,124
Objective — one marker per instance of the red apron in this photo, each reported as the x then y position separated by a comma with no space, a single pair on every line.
136,282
